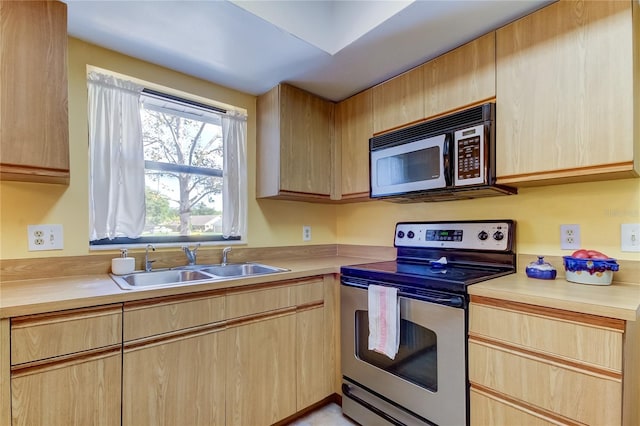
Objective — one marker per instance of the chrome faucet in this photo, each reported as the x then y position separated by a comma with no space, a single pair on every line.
225,253
191,253
147,262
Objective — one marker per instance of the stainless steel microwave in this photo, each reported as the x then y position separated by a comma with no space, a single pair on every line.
447,158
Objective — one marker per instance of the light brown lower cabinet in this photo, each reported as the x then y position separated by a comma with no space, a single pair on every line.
175,380
531,365
81,391
71,378
261,371
243,356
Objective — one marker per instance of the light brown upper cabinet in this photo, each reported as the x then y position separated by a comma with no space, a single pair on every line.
34,134
294,145
398,101
565,94
354,127
461,77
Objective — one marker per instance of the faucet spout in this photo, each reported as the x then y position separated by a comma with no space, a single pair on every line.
225,254
191,253
147,262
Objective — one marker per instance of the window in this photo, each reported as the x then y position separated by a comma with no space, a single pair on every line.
176,149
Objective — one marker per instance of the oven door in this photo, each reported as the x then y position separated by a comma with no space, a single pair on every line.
408,167
428,375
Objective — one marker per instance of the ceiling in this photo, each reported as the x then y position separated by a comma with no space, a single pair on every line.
333,48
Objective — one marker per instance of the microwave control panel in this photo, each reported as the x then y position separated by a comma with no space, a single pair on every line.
458,235
469,155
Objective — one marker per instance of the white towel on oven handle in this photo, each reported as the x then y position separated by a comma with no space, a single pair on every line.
384,320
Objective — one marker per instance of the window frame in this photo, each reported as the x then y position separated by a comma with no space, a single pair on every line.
174,240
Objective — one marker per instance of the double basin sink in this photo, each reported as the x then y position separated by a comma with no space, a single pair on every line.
192,274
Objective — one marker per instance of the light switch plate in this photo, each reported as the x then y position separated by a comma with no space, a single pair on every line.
630,237
45,237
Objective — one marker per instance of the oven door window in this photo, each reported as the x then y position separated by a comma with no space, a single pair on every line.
417,358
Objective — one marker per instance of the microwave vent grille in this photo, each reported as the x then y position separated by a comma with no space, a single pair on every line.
466,118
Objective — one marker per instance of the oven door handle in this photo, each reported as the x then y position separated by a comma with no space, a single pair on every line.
453,301
346,391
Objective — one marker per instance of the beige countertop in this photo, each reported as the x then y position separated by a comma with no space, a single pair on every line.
25,297
618,300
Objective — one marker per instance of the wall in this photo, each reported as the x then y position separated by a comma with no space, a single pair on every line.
599,208
271,223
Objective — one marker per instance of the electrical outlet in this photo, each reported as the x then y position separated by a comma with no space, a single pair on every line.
306,233
45,237
630,237
570,237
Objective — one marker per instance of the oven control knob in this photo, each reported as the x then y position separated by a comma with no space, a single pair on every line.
410,234
483,235
400,234
498,235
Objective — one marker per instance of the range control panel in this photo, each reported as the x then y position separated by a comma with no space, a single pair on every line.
472,235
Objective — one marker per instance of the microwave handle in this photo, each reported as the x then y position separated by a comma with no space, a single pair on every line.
447,160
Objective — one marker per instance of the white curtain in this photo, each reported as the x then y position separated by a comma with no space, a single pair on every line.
234,193
116,181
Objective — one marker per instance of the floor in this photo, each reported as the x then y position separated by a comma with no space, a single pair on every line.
329,415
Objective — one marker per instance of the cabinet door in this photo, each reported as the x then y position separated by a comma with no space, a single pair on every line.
82,391
486,409
590,397
175,381
464,76
354,128
261,371
398,101
313,375
306,136
565,94
34,135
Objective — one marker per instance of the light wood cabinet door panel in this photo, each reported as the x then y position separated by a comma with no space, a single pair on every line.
585,396
53,334
354,128
564,93
179,381
567,338
398,101
85,391
488,410
461,77
261,371
153,317
295,137
34,135
313,375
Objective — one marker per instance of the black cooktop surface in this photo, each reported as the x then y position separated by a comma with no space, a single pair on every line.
453,278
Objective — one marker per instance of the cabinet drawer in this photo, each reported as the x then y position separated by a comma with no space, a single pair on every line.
42,336
158,316
586,396
311,291
569,338
489,410
256,301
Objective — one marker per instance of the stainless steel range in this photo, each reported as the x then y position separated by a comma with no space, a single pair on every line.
426,382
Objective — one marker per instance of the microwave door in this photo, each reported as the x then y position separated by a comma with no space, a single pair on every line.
413,166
